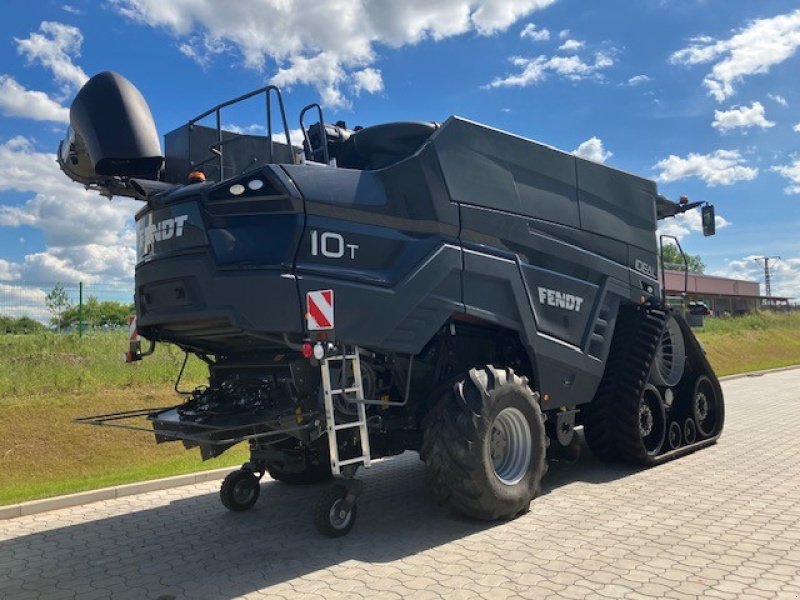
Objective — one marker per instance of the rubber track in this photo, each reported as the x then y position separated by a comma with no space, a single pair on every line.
452,443
611,420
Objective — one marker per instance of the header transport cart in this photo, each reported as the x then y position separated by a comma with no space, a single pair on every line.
447,288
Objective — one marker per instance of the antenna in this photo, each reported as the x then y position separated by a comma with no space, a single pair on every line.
767,275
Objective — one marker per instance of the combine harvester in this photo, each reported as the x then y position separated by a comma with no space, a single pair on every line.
445,288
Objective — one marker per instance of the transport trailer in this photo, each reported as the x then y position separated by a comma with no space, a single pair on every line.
446,288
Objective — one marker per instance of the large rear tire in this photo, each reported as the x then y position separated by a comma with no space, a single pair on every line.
485,444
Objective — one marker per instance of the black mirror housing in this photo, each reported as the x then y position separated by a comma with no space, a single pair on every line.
709,220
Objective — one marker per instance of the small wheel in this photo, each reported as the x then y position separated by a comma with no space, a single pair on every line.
239,490
674,435
706,407
689,431
329,517
652,420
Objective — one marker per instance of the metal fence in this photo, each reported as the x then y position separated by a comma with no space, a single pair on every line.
72,307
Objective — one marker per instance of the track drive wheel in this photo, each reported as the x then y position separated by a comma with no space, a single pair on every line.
484,445
240,490
331,516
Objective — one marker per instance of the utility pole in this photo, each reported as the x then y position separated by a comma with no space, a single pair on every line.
767,275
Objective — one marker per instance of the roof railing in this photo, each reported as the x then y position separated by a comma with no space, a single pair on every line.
217,147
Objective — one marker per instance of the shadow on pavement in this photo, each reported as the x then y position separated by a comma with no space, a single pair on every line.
194,548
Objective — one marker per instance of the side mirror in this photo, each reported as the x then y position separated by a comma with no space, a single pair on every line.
709,220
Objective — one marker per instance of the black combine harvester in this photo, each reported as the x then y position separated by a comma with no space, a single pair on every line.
445,288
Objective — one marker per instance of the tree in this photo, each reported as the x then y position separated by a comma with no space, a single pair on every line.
673,260
98,314
57,301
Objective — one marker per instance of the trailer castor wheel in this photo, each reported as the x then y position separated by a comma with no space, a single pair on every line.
335,512
239,490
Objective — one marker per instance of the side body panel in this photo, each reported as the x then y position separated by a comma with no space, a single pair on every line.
547,244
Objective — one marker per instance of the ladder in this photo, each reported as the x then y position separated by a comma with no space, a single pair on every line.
350,363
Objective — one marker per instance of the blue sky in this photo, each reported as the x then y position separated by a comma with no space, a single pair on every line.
701,95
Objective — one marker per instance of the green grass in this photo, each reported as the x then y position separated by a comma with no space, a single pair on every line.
49,363
753,342
46,380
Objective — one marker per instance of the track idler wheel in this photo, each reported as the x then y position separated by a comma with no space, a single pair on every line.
674,435
652,420
689,431
706,407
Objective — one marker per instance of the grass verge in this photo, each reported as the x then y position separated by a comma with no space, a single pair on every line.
42,453
752,342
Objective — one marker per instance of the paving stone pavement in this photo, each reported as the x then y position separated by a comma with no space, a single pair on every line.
721,523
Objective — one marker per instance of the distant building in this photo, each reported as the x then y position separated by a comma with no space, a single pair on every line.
720,294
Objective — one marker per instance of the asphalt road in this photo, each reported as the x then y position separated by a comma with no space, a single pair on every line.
721,523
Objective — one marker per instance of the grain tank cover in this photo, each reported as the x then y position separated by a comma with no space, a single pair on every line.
116,128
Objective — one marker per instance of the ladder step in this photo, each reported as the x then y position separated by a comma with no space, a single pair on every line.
350,390
340,357
347,425
352,461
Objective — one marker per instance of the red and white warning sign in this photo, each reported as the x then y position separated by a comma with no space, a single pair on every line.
319,310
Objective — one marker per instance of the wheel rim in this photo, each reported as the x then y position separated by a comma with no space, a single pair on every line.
652,421
339,519
243,491
511,445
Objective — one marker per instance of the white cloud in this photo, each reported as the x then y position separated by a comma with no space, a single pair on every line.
537,35
54,47
638,80
721,167
592,149
756,48
571,46
252,129
368,80
779,99
71,9
8,270
16,101
741,117
88,237
684,224
324,51
536,70
792,173
796,128
563,34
